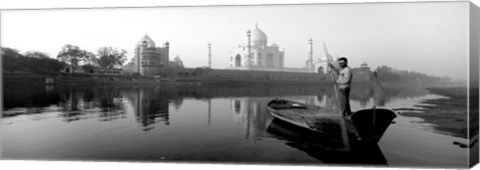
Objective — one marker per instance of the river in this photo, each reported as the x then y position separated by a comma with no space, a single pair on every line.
203,124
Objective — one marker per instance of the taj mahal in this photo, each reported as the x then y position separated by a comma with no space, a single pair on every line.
256,54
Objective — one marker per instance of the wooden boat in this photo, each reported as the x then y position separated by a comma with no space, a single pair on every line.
363,126
372,123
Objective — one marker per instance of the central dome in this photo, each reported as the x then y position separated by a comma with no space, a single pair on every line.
258,35
146,39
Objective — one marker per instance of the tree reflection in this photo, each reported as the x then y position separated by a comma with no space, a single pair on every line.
21,95
101,102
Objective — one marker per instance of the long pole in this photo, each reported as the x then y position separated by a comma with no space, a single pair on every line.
330,70
377,85
343,127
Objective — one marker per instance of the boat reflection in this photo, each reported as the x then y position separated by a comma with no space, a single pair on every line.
324,148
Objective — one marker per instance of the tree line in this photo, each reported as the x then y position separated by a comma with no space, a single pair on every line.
106,57
388,74
70,55
109,57
30,62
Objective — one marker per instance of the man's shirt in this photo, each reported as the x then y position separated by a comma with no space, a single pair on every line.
344,78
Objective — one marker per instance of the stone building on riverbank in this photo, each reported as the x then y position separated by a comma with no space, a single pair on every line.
148,58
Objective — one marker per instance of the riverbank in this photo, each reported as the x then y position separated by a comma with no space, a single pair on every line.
190,80
448,115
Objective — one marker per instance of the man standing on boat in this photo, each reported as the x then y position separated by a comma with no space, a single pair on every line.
343,82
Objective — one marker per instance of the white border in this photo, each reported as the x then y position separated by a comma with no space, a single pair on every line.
36,4
58,165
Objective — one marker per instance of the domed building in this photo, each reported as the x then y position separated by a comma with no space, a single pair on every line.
146,40
149,59
321,65
256,54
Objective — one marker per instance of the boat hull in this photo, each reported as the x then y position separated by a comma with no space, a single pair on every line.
364,125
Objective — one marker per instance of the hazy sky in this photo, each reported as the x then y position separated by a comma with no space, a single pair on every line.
430,38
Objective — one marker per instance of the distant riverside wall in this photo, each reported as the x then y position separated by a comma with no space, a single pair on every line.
190,75
225,75
249,76
78,78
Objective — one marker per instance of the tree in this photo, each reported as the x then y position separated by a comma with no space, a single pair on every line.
72,55
35,61
383,69
109,57
41,63
91,59
36,54
11,59
385,73
31,62
88,68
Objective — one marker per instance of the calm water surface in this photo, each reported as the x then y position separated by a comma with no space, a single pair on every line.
231,124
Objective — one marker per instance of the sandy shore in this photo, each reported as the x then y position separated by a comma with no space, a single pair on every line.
447,115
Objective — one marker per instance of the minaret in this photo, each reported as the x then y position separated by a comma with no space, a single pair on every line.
209,55
310,55
249,48
137,58
167,46
143,46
